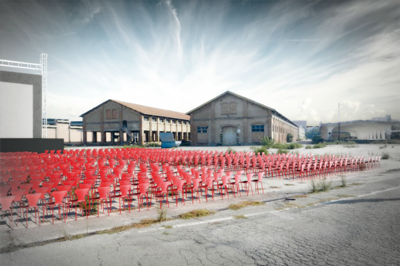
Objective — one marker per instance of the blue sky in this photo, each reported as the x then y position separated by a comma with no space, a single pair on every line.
300,57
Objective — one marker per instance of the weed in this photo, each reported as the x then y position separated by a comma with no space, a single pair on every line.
345,196
165,233
230,150
145,223
324,185
162,214
274,187
356,184
168,226
244,204
362,167
320,186
240,217
385,156
314,188
195,214
289,185
343,180
300,196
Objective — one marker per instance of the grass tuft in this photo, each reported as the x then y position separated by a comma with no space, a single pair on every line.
385,156
240,217
195,214
245,204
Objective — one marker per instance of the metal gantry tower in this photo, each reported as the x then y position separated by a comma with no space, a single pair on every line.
42,67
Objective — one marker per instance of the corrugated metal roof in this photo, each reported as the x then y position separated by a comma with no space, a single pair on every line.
147,110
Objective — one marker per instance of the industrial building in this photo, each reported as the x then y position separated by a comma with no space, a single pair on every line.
116,122
231,119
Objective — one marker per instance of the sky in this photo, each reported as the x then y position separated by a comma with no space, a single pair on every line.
299,57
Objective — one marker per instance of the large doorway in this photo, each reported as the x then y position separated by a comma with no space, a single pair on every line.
229,136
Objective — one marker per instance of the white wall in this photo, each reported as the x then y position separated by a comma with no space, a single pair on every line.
16,110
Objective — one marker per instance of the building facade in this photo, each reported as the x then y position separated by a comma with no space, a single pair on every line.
231,119
117,122
69,131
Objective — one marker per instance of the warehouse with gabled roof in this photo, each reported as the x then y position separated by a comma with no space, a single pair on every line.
231,119
116,122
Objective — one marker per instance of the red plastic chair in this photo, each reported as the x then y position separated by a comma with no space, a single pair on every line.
58,197
101,198
258,181
124,193
143,192
178,188
7,203
223,185
81,197
194,187
162,191
247,183
235,185
32,203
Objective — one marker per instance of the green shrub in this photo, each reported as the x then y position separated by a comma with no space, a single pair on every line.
316,139
309,147
282,151
267,142
153,144
289,137
262,149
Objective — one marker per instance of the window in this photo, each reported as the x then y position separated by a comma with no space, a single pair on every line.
202,129
114,113
228,108
257,128
146,118
108,114
154,119
161,120
232,108
167,120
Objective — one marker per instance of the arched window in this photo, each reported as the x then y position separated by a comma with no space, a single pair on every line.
114,113
108,114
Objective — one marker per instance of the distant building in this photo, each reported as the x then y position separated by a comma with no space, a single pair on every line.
386,118
358,129
117,122
231,119
64,129
302,128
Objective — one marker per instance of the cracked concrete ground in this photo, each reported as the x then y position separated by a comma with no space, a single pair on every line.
356,225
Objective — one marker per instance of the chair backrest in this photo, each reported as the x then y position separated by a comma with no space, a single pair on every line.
143,187
124,189
103,192
33,199
26,186
196,182
5,202
59,196
81,193
249,176
18,193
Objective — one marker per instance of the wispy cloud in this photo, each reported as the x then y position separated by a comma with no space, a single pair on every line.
299,57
